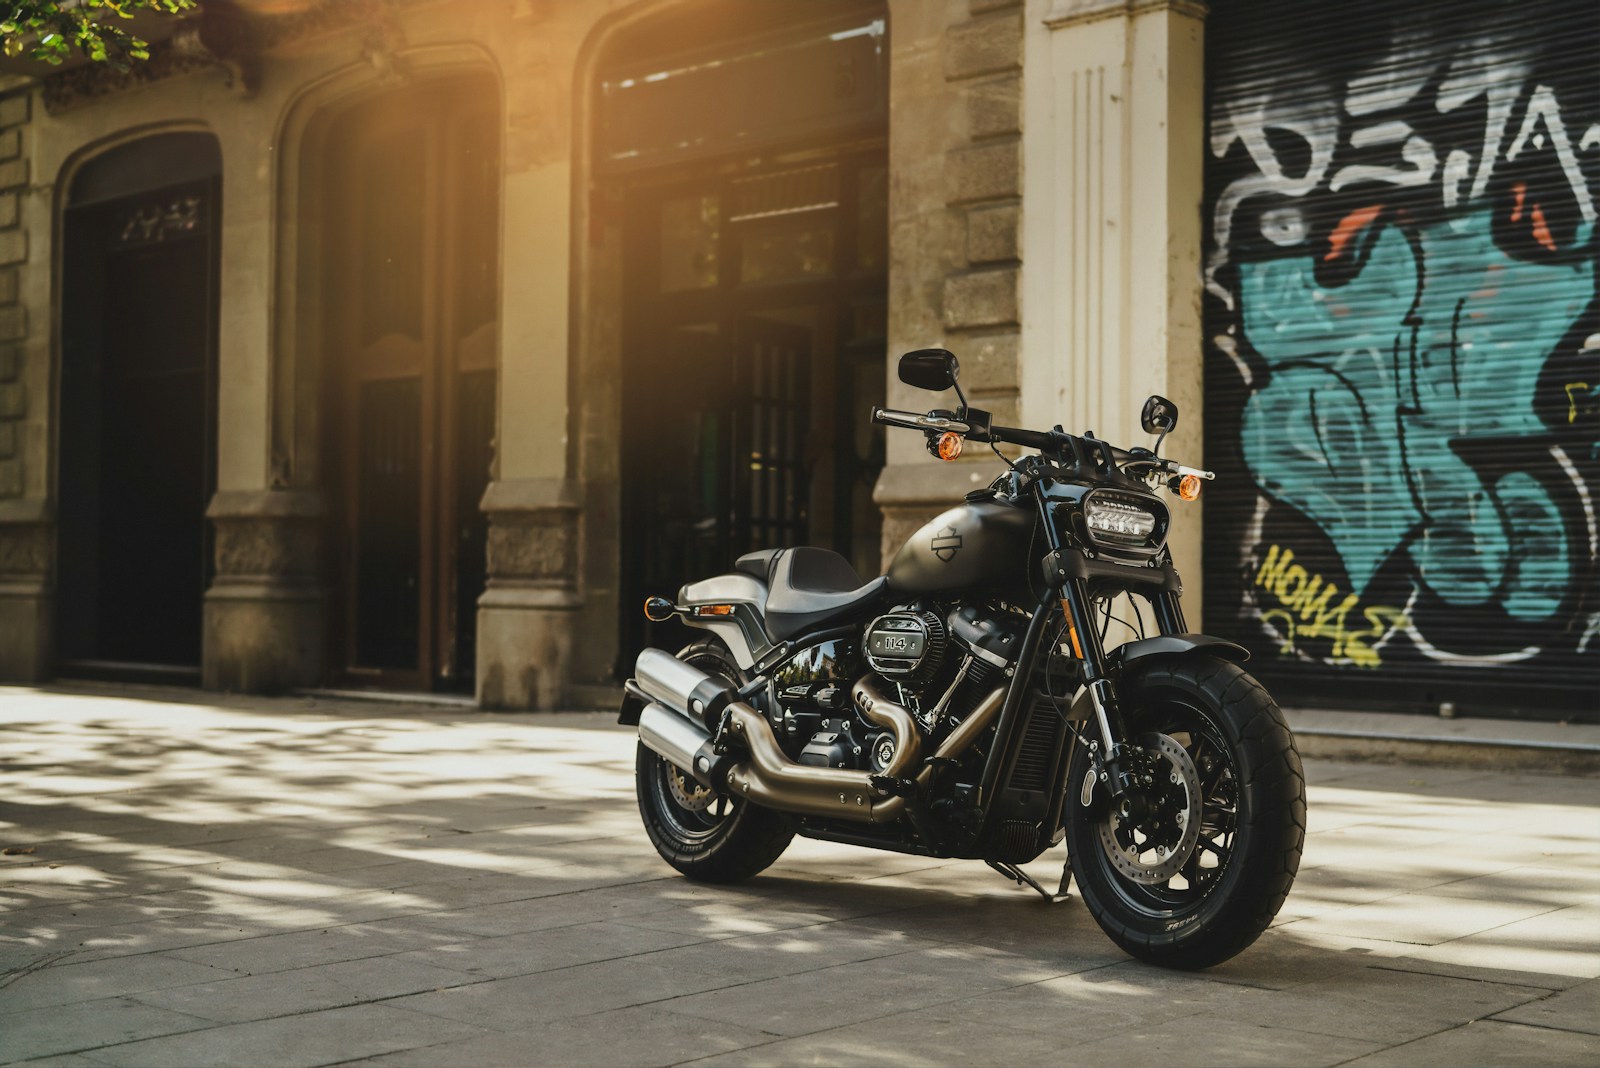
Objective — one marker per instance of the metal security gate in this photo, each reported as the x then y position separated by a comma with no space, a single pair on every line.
1403,354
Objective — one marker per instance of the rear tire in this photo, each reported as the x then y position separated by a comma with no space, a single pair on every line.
709,837
1240,759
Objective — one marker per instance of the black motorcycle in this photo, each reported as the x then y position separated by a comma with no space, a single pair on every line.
965,704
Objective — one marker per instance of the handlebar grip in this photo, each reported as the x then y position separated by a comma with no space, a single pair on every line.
1042,440
891,417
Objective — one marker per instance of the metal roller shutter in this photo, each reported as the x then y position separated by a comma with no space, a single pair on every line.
1403,351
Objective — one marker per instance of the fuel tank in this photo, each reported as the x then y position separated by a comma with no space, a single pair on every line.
979,543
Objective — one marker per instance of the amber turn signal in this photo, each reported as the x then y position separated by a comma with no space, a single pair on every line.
1189,488
950,445
714,610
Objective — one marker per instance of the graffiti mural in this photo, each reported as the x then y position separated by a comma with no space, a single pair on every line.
1404,359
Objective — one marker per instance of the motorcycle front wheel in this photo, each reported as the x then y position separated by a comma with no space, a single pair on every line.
1192,870
709,837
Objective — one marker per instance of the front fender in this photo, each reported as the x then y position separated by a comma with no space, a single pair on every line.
1123,655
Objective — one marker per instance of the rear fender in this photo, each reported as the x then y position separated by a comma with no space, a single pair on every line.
742,630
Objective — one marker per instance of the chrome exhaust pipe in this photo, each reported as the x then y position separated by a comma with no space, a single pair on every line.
686,700
682,687
679,740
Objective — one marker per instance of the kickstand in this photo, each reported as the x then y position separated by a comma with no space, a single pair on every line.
1020,877
1065,889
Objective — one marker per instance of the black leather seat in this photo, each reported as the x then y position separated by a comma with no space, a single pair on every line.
757,564
810,587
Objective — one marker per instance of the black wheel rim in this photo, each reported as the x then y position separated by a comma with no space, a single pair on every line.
1218,777
689,823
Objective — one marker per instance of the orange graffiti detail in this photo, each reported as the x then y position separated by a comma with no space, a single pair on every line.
1348,228
1541,229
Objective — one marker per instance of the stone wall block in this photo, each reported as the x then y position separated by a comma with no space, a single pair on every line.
988,362
13,246
981,298
10,144
13,174
8,440
986,171
13,322
9,280
10,478
10,362
14,109
13,401
992,233
994,108
984,46
978,7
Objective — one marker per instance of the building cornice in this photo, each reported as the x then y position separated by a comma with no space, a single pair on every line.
1064,13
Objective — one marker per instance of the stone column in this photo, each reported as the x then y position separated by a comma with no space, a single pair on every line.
955,151
27,520
527,616
528,613
1113,161
264,628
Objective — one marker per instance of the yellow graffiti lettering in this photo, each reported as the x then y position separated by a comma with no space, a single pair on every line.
1272,568
1572,390
1312,608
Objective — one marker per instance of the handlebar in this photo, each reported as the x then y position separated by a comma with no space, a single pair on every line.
1046,441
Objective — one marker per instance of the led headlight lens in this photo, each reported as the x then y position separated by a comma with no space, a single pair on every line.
1118,522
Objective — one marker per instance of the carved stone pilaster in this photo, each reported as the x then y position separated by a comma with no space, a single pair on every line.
27,593
527,614
265,613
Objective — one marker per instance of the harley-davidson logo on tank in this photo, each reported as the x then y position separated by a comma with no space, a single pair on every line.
946,544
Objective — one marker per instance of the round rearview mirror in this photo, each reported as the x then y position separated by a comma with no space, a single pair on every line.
934,369
1160,416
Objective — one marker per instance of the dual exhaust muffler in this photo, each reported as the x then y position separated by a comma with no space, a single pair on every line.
687,706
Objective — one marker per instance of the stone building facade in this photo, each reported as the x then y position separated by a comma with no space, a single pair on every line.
440,283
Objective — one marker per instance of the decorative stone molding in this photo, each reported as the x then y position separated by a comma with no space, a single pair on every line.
1063,13
27,564
525,616
265,613
232,37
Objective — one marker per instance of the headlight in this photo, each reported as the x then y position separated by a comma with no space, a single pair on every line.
1122,521
1119,522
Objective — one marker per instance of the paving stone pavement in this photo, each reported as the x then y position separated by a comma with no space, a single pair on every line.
207,880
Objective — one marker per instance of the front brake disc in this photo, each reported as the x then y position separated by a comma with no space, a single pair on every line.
1156,850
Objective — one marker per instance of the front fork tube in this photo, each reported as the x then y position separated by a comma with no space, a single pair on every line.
1075,605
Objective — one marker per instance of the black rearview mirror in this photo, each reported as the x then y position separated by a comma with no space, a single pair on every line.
934,369
1160,416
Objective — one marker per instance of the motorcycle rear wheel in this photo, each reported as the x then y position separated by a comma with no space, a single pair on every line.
709,837
1238,772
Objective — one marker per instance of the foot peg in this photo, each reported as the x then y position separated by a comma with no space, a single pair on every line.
889,786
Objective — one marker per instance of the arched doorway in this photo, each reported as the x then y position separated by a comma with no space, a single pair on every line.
410,254
751,173
141,238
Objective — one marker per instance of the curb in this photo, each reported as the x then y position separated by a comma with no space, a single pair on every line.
1565,758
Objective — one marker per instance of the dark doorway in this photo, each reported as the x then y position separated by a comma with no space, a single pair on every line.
138,408
755,286
412,255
